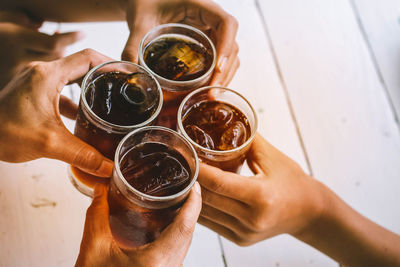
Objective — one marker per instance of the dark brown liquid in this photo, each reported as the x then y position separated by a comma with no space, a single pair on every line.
123,99
178,59
118,98
218,126
154,169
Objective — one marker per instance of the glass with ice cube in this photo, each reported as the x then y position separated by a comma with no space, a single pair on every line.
116,98
155,168
220,123
182,58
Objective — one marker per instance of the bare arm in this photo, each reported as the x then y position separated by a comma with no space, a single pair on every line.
350,238
141,16
281,198
70,10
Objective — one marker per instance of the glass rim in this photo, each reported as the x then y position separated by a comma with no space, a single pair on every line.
144,195
112,125
211,151
178,25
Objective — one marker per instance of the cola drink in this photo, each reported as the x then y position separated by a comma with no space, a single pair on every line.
117,98
177,58
221,131
122,99
216,125
154,171
182,59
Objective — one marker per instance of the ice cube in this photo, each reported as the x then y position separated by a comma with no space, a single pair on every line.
156,173
180,59
139,90
199,136
234,136
219,114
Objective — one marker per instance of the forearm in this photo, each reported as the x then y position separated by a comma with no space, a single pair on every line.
350,238
71,10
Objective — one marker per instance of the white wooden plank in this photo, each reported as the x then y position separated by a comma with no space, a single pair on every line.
380,21
344,116
258,80
42,215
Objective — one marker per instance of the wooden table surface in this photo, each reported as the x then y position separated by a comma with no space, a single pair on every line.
324,77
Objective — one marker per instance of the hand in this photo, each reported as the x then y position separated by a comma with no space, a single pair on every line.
279,198
21,42
30,107
98,247
143,15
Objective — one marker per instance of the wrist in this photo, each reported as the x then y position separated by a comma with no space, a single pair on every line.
324,208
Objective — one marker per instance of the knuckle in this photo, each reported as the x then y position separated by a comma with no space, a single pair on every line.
216,186
37,69
87,157
128,55
88,52
49,141
252,238
186,228
233,21
236,48
243,242
257,223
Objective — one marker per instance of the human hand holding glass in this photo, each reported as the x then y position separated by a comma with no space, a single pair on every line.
30,107
205,15
280,198
99,248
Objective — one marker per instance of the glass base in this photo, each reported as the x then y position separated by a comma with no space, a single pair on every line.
83,188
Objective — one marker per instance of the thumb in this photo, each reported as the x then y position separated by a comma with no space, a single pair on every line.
262,155
175,240
69,148
140,27
97,215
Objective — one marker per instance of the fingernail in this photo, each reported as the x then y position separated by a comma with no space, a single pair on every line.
221,63
106,168
197,188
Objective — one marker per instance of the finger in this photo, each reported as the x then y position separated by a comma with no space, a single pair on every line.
68,108
221,77
140,27
75,66
176,238
226,37
31,55
97,215
224,183
69,148
221,230
225,220
232,73
228,205
45,43
20,18
260,154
